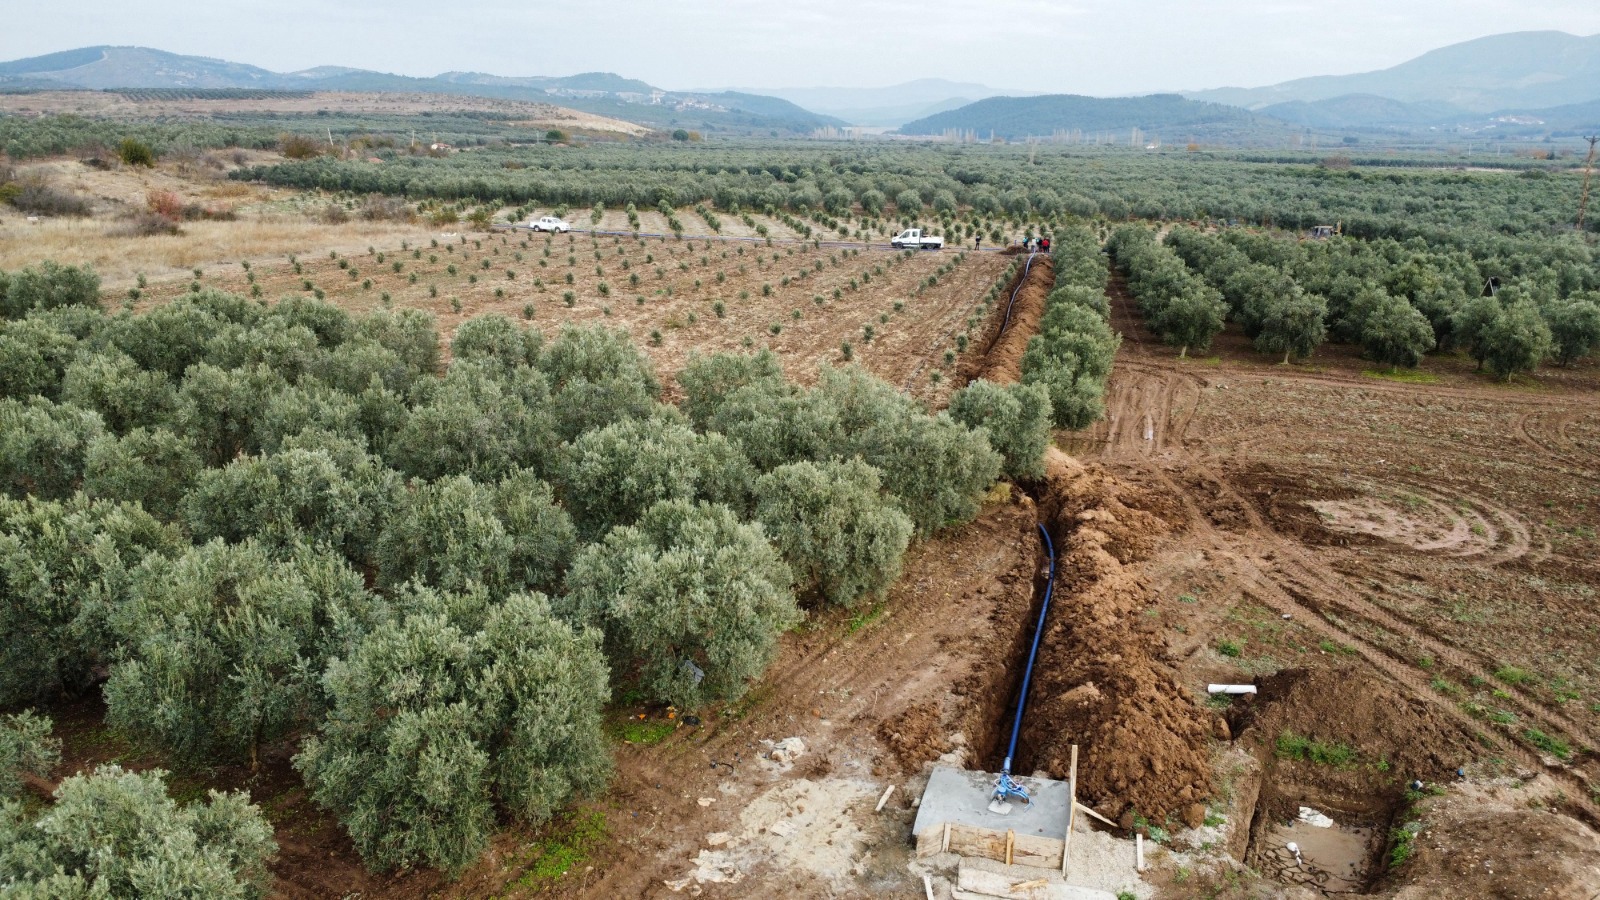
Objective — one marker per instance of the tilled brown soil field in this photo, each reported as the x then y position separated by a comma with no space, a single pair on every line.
1433,543
673,297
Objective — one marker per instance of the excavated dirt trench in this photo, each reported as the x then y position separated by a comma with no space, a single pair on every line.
1101,680
1004,342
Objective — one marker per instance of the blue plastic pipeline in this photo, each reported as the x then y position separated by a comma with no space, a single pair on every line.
1028,266
1007,787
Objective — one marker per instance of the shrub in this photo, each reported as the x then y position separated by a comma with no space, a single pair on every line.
134,152
35,195
839,534
1016,418
118,834
295,146
456,709
691,601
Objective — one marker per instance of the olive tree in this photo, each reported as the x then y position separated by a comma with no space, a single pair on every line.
596,377
456,709
1191,319
1395,334
1517,340
496,338
611,475
455,533
217,409
47,287
937,467
64,568
479,420
1294,325
1016,417
124,395
26,749
118,834
292,497
43,446
834,527
1574,328
1471,321
33,358
224,646
690,600
153,468
708,381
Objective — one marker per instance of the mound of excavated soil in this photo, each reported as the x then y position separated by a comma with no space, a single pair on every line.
1101,680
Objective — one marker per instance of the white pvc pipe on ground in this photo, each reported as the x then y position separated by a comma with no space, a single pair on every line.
1230,689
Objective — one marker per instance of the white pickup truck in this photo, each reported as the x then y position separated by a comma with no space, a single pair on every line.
913,238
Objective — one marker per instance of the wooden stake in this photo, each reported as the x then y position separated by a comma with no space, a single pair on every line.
1072,812
927,886
944,845
1011,843
1093,815
1138,853
885,798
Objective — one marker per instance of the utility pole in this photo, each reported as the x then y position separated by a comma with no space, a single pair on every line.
1588,173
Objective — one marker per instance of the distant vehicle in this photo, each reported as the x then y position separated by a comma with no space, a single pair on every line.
913,238
550,223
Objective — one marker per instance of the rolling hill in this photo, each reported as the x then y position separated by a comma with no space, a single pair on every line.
602,93
1524,70
890,106
1157,115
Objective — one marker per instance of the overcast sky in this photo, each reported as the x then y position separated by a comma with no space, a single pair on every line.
1072,46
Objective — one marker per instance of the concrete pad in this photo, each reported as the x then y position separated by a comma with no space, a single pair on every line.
960,797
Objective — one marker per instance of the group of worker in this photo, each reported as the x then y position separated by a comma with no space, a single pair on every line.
1029,245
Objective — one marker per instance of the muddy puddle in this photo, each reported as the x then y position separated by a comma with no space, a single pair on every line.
1333,859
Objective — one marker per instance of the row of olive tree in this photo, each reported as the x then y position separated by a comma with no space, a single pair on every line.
263,520
1071,356
1178,305
1397,301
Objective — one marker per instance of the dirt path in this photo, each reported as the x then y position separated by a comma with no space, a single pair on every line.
872,695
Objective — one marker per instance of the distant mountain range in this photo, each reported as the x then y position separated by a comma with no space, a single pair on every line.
103,68
1525,85
1524,70
1529,84
890,106
1017,117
